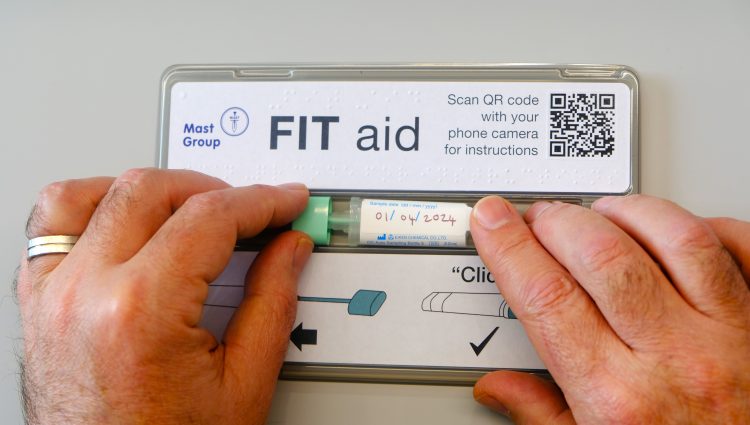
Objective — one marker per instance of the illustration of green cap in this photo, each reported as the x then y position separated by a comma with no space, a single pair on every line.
314,220
366,302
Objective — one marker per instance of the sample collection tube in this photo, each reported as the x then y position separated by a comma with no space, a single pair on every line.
386,222
361,222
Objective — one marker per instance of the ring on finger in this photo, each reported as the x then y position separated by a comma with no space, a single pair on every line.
54,244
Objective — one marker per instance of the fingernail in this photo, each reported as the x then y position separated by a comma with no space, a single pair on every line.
294,186
536,210
302,253
489,401
492,212
602,204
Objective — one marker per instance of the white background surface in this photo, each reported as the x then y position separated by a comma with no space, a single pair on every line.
79,85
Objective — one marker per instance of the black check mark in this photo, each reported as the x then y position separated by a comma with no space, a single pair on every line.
478,348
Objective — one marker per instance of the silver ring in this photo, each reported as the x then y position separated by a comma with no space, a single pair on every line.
54,244
55,239
50,248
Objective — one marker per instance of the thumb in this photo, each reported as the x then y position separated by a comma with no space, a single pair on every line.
525,398
257,337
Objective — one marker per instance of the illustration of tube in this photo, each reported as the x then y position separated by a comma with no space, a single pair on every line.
364,302
477,304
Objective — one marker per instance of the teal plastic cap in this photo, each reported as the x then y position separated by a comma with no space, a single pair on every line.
314,220
366,302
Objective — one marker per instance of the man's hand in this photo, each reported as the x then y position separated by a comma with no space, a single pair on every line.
639,309
110,329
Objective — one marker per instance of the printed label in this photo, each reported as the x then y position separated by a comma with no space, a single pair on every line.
413,223
533,137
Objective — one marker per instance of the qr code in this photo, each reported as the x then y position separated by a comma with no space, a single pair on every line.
582,125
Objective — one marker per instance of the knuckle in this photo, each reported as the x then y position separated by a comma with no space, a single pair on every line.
267,193
693,237
122,312
120,195
621,404
549,214
550,218
723,222
138,176
560,207
511,245
127,185
604,254
261,187
125,194
54,196
509,248
709,381
547,292
206,203
57,192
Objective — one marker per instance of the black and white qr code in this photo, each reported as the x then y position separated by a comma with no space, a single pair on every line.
582,125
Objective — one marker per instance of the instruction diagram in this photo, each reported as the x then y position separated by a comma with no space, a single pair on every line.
393,310
364,302
477,304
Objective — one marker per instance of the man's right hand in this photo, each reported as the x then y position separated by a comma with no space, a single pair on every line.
639,309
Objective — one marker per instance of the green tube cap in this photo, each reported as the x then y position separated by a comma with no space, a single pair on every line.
314,220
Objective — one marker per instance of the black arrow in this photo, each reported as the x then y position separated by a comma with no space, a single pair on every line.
478,348
304,336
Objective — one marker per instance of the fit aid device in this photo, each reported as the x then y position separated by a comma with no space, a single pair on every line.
395,156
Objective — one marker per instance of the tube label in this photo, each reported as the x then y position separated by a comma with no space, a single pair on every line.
414,223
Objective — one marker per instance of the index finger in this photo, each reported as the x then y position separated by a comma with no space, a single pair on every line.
567,330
